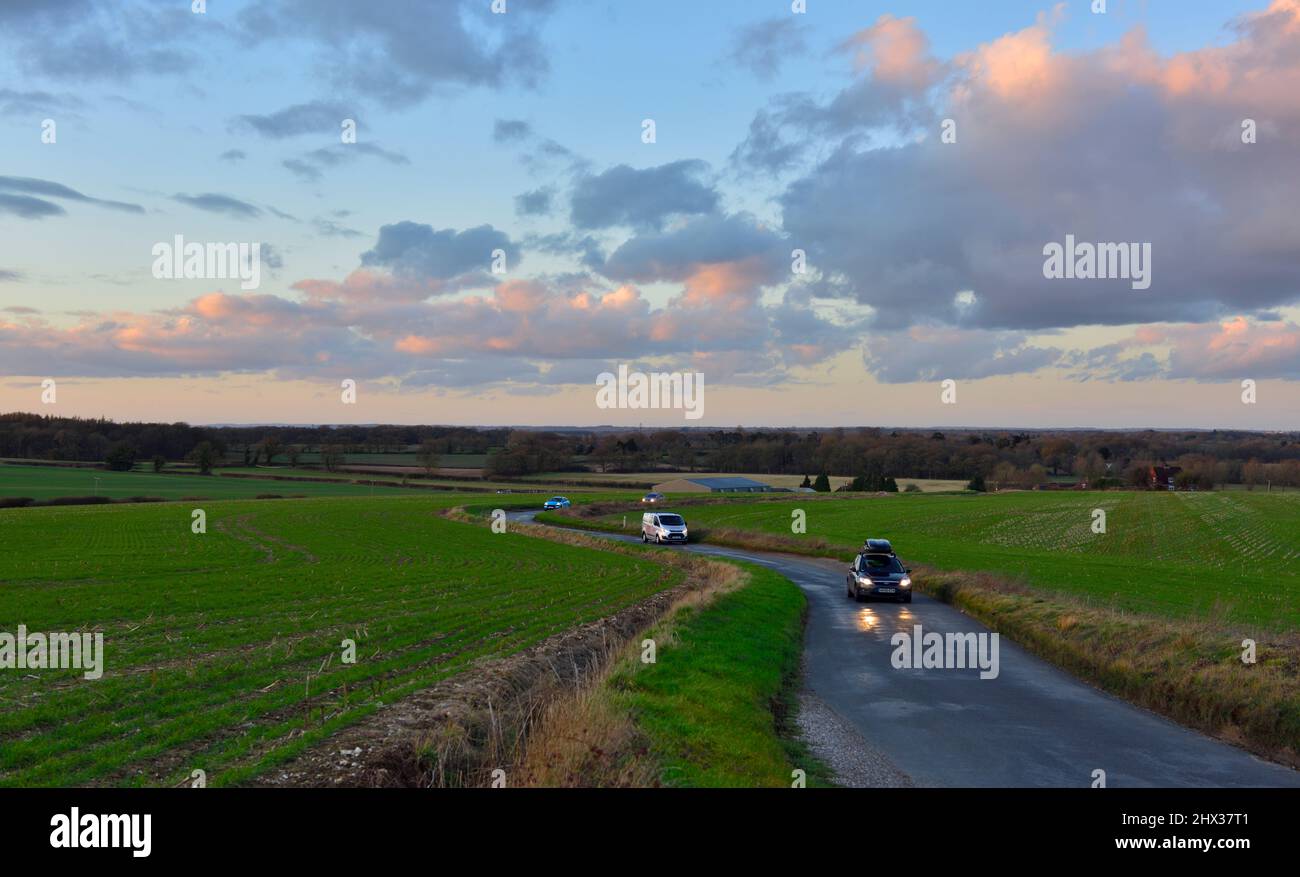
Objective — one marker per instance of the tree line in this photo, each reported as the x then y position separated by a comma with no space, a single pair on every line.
1002,458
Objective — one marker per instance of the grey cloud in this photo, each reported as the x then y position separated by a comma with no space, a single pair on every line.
303,170
764,46
26,207
675,254
271,257
588,250
84,40
233,155
534,203
15,102
48,189
330,229
412,249
309,167
213,202
627,196
400,52
511,130
316,117
764,149
970,355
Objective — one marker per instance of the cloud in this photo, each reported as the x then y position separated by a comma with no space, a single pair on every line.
316,117
233,155
227,205
627,196
411,261
18,197
365,326
714,256
903,227
309,167
400,52
14,102
929,353
895,74
534,203
303,170
7,276
511,130
331,229
1231,350
212,334
26,207
416,250
764,46
85,40
272,257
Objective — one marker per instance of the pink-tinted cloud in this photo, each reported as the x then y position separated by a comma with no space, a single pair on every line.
1234,349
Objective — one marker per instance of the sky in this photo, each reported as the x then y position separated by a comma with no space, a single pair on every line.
839,210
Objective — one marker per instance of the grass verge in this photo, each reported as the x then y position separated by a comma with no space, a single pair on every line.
715,709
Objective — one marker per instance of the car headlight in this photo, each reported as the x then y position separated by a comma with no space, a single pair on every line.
906,583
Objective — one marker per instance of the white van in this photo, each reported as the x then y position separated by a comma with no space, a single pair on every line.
662,527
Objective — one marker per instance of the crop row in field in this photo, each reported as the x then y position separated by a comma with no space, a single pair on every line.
223,650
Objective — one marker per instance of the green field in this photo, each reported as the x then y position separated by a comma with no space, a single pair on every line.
223,649
1189,554
49,482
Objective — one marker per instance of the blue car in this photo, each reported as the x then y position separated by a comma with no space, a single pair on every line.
556,502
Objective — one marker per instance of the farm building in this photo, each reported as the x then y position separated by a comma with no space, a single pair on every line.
1162,477
714,485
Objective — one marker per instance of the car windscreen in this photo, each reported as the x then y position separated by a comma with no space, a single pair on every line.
556,499
880,563
671,520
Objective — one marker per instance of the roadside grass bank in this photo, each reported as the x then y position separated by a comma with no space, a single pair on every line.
716,707
1189,670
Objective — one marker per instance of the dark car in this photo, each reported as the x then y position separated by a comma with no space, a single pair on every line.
876,574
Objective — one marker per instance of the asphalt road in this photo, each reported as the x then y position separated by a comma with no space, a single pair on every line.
1031,726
